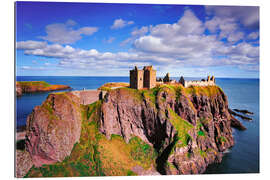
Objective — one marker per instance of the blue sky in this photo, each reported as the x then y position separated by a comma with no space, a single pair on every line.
88,39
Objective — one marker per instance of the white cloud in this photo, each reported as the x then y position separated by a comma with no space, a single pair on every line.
236,36
253,35
65,34
120,23
139,32
30,45
246,15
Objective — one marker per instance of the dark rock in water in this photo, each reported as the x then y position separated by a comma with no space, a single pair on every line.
244,111
237,124
239,115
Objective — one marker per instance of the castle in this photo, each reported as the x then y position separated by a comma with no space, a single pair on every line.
209,82
146,78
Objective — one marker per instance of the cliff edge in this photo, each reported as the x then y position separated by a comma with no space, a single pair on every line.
164,130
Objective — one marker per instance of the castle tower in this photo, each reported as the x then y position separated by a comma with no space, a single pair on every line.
182,81
149,78
213,79
166,78
208,78
136,78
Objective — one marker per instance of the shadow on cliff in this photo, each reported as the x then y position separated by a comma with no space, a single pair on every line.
20,145
163,157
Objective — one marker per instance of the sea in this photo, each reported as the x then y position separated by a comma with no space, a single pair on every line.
243,157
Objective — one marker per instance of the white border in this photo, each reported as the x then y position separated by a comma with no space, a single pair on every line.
7,86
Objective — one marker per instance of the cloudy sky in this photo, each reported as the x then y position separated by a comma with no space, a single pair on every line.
86,39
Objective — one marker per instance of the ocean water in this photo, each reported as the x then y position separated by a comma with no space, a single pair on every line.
243,157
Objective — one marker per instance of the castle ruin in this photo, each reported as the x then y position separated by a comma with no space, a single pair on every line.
145,78
209,82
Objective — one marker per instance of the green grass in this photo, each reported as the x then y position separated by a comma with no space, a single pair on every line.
182,126
201,133
34,83
222,139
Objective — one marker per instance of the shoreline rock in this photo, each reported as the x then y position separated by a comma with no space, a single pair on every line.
239,115
244,111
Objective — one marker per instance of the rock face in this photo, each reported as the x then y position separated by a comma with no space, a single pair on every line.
53,128
189,128
162,120
36,86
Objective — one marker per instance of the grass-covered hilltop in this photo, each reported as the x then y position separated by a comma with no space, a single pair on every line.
168,129
36,86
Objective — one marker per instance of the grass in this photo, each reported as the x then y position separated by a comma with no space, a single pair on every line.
222,139
110,86
33,83
182,126
203,90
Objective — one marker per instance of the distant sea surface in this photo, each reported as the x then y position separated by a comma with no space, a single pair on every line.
243,157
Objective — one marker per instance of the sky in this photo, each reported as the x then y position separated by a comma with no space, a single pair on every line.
97,39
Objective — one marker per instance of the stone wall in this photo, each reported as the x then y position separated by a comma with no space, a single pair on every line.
88,96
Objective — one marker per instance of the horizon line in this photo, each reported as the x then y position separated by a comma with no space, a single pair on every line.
157,76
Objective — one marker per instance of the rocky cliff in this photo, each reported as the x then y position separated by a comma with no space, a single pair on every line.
189,128
36,86
165,130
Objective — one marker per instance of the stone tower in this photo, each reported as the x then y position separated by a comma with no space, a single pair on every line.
136,78
145,78
149,78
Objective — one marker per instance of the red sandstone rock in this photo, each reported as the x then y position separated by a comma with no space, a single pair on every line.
23,163
53,128
128,113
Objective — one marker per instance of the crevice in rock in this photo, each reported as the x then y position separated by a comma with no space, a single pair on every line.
161,160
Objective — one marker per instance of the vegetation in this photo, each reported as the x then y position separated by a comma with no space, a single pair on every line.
33,83
112,85
182,126
203,90
95,155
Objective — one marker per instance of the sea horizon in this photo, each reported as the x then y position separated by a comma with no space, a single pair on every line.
157,77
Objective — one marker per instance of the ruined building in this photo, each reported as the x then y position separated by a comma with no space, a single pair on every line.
145,78
209,82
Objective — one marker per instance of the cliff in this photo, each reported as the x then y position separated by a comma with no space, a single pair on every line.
164,130
36,86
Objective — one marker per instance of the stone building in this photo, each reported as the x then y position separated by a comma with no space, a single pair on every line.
145,78
209,82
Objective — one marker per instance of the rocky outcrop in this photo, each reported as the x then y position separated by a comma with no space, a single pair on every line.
36,86
53,128
239,115
161,121
189,128
23,163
